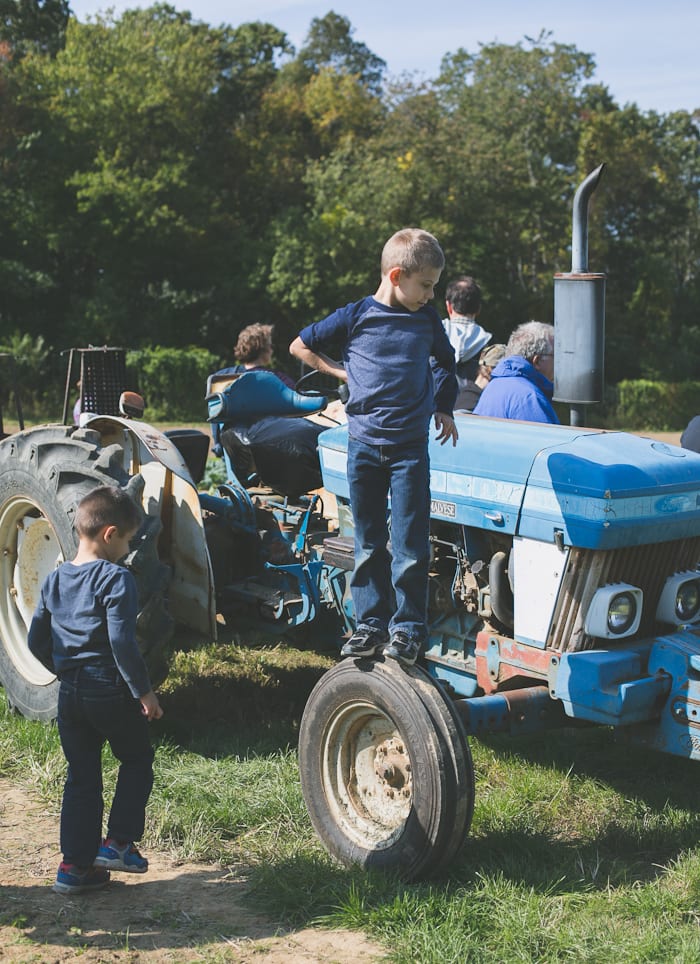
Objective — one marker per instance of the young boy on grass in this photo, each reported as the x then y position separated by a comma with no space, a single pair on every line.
387,341
84,630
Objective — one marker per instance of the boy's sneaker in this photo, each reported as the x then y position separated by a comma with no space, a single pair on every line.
76,880
120,856
365,641
402,648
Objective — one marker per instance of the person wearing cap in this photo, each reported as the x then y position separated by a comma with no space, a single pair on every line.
522,384
470,394
467,337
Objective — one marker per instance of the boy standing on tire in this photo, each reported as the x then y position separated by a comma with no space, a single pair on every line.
84,630
387,341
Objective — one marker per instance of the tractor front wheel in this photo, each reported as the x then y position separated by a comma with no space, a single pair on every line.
385,768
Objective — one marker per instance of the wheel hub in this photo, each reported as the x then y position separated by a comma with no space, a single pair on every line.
367,775
29,551
393,768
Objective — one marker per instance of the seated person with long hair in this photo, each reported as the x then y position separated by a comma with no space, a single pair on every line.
282,451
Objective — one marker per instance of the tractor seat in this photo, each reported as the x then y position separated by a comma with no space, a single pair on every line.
254,394
193,446
279,453
259,423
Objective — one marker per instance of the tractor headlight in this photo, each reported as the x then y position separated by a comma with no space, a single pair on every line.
622,612
615,611
679,601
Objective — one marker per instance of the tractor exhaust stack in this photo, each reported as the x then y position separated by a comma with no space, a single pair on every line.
579,316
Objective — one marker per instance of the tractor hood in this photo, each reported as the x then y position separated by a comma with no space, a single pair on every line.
585,487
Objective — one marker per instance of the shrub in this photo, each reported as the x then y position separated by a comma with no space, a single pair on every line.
25,364
214,475
661,406
172,381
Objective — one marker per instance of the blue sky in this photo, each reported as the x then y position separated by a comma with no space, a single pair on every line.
646,52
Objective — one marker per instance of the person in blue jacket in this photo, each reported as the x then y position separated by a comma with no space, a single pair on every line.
521,385
387,341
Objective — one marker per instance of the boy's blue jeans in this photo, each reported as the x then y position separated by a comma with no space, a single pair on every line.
94,706
390,590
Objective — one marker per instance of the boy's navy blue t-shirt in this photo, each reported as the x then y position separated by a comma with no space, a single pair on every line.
387,356
87,616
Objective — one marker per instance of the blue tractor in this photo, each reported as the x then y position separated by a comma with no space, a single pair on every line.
564,588
564,584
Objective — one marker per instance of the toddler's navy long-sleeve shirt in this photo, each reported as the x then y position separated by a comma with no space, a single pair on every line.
87,616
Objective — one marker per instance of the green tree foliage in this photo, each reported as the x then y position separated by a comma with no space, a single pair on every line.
167,182
33,25
150,211
511,123
25,368
658,406
27,276
330,43
485,157
173,381
328,253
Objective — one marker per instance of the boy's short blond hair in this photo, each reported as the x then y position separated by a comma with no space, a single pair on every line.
412,249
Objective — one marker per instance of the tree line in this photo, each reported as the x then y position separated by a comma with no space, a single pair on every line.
166,182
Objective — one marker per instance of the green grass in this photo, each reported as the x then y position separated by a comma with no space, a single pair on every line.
581,850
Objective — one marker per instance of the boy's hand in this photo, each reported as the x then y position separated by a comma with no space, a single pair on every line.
446,428
150,707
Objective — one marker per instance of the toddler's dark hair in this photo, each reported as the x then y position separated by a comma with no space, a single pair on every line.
107,505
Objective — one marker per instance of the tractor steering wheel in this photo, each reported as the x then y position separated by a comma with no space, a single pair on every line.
340,391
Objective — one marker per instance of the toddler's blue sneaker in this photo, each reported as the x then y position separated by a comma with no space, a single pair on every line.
71,879
120,856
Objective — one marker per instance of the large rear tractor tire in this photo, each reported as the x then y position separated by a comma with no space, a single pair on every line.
386,772
44,473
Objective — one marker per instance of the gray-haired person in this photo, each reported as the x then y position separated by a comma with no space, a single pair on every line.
521,385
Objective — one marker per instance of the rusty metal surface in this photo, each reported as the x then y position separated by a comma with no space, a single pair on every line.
170,493
368,777
152,443
501,660
520,711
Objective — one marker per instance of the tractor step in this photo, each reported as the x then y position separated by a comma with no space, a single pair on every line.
274,602
339,551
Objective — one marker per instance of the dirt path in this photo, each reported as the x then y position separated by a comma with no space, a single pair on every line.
177,912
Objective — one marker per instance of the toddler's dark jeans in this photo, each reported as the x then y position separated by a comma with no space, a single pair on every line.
94,706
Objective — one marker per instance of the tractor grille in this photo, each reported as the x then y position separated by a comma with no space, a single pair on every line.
646,567
103,379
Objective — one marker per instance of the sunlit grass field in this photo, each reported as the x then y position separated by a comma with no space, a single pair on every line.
580,849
